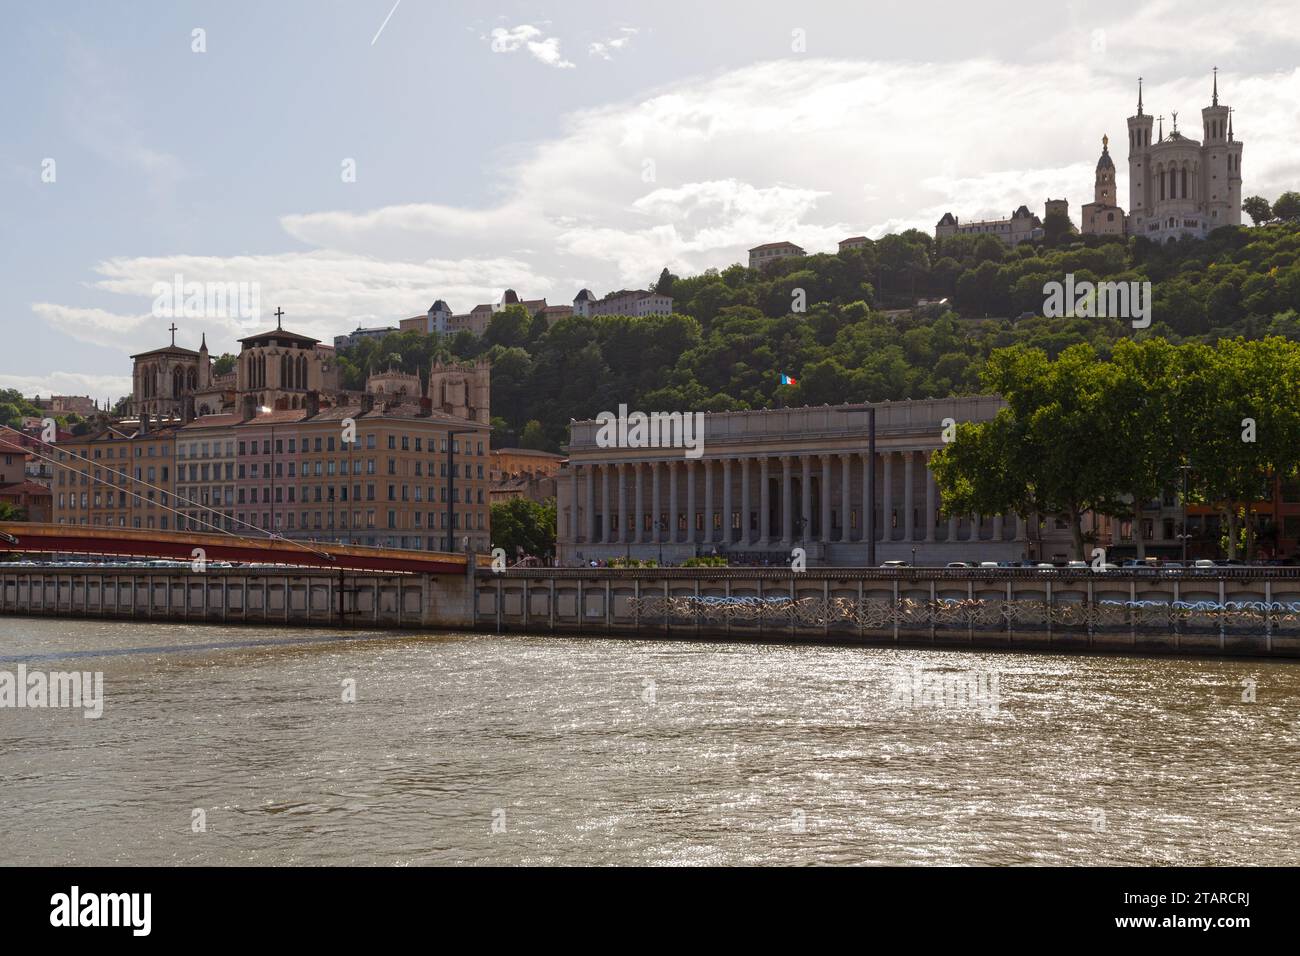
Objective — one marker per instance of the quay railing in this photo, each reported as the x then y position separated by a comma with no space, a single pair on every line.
908,574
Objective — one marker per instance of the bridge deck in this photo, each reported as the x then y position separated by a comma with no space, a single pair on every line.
34,537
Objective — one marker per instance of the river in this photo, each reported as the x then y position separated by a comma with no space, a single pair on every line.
223,745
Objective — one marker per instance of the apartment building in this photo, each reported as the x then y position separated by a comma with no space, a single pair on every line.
123,477
389,486
206,482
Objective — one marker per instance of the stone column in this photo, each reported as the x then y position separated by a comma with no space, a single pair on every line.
888,497
607,503
787,512
909,496
868,494
846,499
591,504
688,467
726,500
621,478
805,502
976,520
708,500
638,519
826,499
672,501
1020,528
656,530
952,527
573,503
931,494
764,504
997,528
745,501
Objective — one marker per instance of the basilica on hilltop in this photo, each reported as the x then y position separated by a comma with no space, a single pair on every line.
1178,186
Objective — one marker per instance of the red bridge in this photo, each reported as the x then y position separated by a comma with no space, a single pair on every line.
36,538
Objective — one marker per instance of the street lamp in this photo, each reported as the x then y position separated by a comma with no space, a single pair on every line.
1184,468
451,485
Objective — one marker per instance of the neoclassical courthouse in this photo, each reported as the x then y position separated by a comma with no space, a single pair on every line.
771,480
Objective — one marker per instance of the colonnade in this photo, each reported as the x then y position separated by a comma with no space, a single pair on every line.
766,501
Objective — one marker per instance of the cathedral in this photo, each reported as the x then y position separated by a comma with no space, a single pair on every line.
282,370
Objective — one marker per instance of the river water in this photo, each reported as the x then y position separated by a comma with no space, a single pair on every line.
222,745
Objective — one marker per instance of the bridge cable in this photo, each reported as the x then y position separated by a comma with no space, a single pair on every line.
217,528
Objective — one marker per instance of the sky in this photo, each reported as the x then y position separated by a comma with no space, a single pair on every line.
358,160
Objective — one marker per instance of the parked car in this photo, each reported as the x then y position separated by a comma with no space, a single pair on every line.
894,563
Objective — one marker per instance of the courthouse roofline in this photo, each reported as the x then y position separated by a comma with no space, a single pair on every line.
921,419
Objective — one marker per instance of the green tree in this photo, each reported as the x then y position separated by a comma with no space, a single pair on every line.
664,286
1140,422
1057,227
523,527
1238,412
1047,452
1258,209
534,437
1287,207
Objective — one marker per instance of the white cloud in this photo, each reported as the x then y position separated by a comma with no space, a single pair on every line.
322,294
806,149
530,38
1165,33
693,174
111,387
605,49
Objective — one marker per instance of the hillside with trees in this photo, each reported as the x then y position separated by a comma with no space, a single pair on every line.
862,336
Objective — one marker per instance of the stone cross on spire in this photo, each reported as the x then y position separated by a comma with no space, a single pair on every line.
1215,100
1161,120
1139,96
172,330
278,312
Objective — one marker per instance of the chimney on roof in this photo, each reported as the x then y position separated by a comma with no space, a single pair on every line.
367,403
144,423
426,407
249,409
313,404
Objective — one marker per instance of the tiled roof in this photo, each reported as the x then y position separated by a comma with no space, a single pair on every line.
24,488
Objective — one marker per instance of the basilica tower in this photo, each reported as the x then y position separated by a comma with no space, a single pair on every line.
1102,217
1139,147
1104,191
1221,165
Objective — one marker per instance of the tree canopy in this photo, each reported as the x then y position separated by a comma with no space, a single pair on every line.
1085,433
865,336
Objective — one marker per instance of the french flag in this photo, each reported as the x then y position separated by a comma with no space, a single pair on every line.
788,379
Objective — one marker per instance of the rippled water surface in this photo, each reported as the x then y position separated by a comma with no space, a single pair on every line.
635,752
